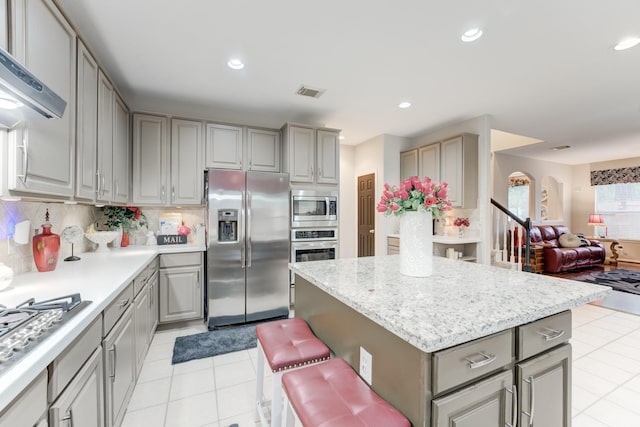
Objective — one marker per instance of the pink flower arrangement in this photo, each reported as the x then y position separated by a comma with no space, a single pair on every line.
414,194
461,222
183,230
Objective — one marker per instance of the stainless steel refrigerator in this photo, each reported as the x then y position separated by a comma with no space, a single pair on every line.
248,246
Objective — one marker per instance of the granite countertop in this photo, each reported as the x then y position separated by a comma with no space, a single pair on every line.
98,277
459,302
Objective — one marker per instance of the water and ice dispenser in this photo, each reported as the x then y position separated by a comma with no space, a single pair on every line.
228,225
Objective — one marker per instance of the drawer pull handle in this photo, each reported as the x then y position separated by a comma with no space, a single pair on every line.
514,407
532,401
552,334
69,418
124,303
486,359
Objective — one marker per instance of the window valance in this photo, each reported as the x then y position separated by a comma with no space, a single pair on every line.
616,176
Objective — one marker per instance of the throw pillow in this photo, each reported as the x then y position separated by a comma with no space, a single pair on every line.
567,240
584,240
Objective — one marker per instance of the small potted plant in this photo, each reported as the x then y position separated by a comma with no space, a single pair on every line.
125,218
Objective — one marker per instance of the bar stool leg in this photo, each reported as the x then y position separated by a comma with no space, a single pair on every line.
260,385
289,418
276,399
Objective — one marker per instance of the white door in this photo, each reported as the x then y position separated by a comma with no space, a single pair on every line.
263,150
301,154
224,146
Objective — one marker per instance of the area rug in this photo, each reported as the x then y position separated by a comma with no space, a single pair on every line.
620,280
213,343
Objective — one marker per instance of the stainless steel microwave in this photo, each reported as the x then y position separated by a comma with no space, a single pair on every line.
314,208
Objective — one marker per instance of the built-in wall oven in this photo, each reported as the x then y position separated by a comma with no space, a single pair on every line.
313,244
314,208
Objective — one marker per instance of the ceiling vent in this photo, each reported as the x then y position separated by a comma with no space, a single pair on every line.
310,91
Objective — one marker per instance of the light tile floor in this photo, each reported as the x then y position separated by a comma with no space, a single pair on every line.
219,391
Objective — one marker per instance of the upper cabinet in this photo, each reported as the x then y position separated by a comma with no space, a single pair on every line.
121,152
312,155
105,139
167,168
454,161
42,152
239,148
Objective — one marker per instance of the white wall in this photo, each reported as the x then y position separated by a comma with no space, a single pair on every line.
347,207
369,158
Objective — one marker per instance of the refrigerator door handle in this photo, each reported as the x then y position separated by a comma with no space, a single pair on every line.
248,229
243,256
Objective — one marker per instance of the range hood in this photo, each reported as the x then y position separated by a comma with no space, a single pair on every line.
18,84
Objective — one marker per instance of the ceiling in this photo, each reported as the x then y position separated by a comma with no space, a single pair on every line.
544,70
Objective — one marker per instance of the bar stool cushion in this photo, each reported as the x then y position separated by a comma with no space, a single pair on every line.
332,394
290,343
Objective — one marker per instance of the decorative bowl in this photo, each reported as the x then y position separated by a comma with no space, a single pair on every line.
102,238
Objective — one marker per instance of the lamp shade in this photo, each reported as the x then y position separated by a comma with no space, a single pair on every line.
596,220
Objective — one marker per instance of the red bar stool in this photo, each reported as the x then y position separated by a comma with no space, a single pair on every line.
332,394
286,345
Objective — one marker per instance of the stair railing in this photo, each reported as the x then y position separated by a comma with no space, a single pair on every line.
514,255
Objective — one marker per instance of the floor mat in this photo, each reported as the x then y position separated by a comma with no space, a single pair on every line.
213,343
620,280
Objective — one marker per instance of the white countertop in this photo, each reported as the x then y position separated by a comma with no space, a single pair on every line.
98,277
459,302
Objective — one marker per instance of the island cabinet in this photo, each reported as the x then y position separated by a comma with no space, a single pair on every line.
312,155
518,376
181,289
42,152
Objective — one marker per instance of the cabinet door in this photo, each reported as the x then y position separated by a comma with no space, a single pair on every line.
187,168
30,407
82,403
544,383
452,169
153,304
141,320
121,152
224,146
408,164
180,294
42,152
429,162
150,159
105,139
301,154
488,403
263,150
119,368
328,157
87,125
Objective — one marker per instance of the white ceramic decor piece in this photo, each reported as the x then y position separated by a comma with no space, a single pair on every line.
6,276
416,244
102,238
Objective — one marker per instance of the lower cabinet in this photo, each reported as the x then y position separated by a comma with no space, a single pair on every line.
153,304
181,290
81,404
30,408
142,326
119,368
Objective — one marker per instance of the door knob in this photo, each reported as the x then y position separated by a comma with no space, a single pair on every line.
371,231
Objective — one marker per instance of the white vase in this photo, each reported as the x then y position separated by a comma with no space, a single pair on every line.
416,244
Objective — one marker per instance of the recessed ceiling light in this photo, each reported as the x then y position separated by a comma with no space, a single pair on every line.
236,64
404,104
627,44
560,147
471,35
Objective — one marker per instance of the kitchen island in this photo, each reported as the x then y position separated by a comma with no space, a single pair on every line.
450,346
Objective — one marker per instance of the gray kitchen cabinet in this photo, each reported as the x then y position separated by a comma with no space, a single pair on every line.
429,162
313,155
42,152
150,159
181,290
408,163
121,152
224,146
187,166
489,403
87,124
4,32
459,168
30,407
141,320
263,150
82,402
153,303
544,384
104,170
119,367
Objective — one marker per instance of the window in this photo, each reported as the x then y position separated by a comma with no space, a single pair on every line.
620,205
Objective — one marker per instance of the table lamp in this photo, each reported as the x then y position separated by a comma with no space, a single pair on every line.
596,220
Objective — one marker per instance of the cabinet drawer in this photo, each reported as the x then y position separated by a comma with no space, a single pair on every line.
65,367
139,281
465,362
180,260
113,312
543,334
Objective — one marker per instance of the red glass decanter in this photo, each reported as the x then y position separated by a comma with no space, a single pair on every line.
46,247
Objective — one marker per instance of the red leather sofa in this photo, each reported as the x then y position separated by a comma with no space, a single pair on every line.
557,258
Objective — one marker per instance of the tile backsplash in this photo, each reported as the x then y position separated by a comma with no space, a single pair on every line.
20,257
